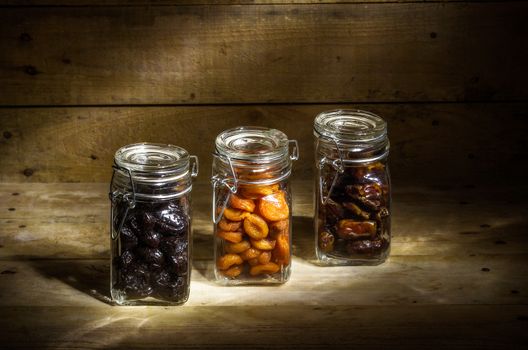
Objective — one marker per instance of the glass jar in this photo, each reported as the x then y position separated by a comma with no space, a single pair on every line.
150,225
252,205
353,194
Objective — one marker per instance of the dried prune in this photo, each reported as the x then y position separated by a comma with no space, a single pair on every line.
126,258
150,238
128,239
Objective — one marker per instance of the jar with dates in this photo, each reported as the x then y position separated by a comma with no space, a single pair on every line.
150,225
252,205
353,193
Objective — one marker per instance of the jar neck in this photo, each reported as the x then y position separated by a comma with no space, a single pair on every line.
352,151
148,187
251,171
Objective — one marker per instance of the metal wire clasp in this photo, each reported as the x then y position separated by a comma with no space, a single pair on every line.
218,180
129,198
337,165
295,151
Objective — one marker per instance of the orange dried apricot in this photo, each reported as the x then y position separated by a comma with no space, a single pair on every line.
257,191
233,271
226,225
263,244
264,257
250,253
281,252
228,260
253,262
274,207
233,237
236,248
279,227
237,202
255,226
235,214
264,268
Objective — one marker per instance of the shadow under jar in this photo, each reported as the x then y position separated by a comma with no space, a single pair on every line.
353,195
150,195
252,211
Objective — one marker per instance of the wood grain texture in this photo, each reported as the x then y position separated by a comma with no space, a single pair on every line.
268,327
431,144
263,53
448,283
209,2
69,221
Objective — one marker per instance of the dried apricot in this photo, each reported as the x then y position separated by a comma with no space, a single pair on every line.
265,268
253,262
226,225
228,260
237,202
279,227
235,214
236,248
233,271
255,226
250,253
258,191
233,237
274,207
264,257
263,244
281,252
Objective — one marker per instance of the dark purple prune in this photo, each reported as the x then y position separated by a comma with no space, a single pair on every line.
173,245
128,238
134,224
151,256
178,263
134,280
150,238
366,246
126,259
175,290
168,221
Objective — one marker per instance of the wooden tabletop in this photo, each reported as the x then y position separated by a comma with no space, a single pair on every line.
456,278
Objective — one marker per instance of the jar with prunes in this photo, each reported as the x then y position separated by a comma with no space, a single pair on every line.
353,195
252,205
150,225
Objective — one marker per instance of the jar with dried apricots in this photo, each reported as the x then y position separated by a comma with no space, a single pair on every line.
353,193
252,209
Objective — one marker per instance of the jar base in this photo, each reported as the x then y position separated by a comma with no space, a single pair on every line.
325,259
270,280
119,298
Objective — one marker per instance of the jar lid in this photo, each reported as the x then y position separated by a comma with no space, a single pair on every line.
252,143
350,125
152,158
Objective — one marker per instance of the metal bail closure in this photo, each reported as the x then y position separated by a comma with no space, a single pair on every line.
218,180
295,150
337,165
195,167
116,195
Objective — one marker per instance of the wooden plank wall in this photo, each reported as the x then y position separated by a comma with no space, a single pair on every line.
79,78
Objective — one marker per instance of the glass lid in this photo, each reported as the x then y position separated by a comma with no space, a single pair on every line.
350,125
252,143
152,157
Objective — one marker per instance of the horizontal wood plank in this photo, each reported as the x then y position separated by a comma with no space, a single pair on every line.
71,221
266,327
208,2
403,280
431,144
263,53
